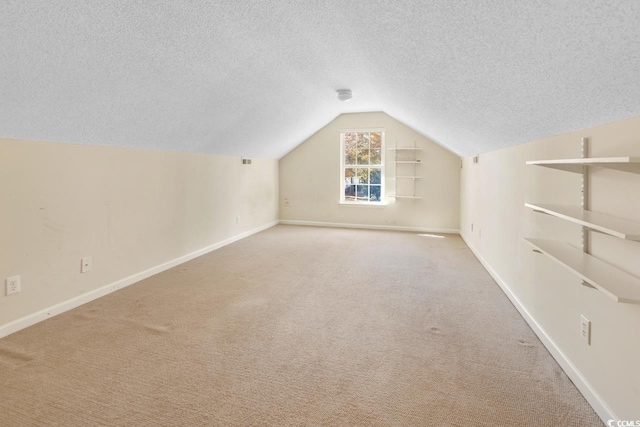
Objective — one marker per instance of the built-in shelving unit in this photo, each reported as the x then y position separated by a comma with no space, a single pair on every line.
618,227
576,165
405,161
595,273
613,282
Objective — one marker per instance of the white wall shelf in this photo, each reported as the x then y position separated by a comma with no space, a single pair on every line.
621,228
575,165
405,161
595,273
614,283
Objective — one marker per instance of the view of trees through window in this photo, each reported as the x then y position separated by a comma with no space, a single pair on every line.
362,166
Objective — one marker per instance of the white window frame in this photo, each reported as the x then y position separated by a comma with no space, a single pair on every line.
383,195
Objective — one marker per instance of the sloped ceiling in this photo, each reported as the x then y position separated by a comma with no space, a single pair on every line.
256,78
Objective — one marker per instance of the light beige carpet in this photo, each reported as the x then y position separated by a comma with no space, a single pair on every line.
295,326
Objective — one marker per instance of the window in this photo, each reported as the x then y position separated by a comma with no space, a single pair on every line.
362,167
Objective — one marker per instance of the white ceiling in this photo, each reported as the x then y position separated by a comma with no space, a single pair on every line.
256,78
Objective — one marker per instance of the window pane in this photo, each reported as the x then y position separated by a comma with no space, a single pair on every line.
363,151
375,176
350,193
349,176
350,137
376,141
363,192
363,176
350,148
349,184
363,140
376,157
349,173
375,193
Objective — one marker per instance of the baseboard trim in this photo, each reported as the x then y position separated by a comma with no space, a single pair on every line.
39,316
590,394
370,227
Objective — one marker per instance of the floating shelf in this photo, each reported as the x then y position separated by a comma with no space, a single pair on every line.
575,165
404,148
407,162
614,283
404,197
409,177
621,228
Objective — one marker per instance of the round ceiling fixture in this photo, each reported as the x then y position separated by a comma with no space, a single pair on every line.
344,95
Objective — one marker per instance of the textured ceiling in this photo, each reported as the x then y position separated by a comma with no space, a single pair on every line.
256,78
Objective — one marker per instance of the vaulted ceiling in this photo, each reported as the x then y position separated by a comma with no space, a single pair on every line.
257,78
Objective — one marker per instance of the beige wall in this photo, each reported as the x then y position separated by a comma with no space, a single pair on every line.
492,198
310,179
128,209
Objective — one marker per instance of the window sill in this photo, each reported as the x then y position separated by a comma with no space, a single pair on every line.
363,204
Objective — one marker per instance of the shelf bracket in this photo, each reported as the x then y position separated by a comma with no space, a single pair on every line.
584,203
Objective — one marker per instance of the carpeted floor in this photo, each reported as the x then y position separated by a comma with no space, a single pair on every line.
295,326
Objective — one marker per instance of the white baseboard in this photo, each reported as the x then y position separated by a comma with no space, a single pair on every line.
371,227
39,316
590,394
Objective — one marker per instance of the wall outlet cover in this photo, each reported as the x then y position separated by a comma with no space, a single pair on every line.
13,285
585,329
86,265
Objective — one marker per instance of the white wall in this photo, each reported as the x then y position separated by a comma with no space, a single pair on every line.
310,179
128,209
493,194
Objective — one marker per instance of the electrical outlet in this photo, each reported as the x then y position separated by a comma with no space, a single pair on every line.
13,285
86,265
585,329
237,220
